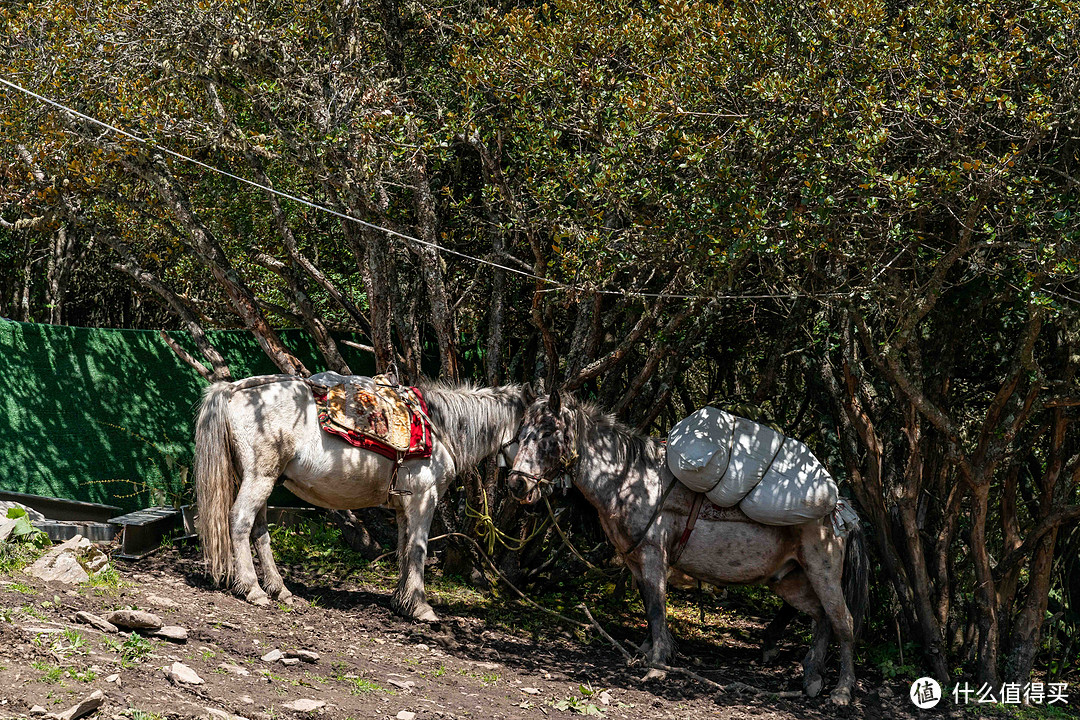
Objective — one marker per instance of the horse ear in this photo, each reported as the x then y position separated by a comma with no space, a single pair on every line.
528,393
391,373
554,401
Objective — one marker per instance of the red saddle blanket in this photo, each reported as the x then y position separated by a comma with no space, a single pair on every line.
391,420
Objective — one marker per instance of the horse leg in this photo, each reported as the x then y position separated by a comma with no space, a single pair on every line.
254,490
824,566
797,591
774,631
275,586
651,575
414,523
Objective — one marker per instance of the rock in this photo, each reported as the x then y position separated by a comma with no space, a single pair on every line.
161,601
305,705
95,621
290,661
114,678
234,669
135,619
406,715
403,684
309,656
95,561
38,710
61,564
421,647
246,699
175,633
531,691
178,673
218,714
273,656
87,705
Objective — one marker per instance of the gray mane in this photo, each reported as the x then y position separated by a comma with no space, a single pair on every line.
474,421
594,426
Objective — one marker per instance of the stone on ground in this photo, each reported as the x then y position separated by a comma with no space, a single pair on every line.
160,601
61,564
305,705
309,656
175,633
135,620
273,656
179,673
87,705
234,669
95,621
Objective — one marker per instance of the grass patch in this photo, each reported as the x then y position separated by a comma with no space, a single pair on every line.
315,546
21,588
132,650
360,686
50,674
14,556
135,714
106,582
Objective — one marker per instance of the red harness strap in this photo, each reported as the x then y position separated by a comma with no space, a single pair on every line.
695,508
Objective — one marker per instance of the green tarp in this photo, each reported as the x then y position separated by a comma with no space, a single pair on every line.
105,415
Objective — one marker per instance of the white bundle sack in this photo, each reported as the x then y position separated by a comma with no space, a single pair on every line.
731,459
795,489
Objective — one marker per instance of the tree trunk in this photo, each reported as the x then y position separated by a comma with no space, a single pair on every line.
206,247
442,319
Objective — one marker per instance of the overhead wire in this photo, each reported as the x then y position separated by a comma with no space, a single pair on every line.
556,285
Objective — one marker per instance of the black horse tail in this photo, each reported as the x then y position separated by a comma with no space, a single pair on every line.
856,577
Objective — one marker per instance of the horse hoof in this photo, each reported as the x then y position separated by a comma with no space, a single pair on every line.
812,687
284,596
427,615
840,696
654,674
257,597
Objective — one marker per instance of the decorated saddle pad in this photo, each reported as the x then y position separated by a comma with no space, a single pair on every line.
374,414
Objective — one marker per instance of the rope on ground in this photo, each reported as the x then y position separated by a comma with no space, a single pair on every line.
734,687
528,600
566,540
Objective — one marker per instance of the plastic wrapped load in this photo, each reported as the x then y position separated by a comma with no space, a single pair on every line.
777,480
796,489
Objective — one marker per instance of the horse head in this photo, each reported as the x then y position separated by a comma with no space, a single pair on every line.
547,446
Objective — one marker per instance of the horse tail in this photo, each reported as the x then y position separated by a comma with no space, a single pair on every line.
856,576
215,479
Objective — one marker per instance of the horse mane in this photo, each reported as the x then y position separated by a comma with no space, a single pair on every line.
471,420
631,448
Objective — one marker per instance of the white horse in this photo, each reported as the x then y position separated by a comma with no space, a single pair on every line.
254,433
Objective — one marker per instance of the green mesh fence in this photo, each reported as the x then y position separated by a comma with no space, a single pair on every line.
108,415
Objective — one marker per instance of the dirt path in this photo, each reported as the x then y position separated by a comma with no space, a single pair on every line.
371,663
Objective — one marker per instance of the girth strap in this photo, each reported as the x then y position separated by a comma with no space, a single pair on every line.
695,508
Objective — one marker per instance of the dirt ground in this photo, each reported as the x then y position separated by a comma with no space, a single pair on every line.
372,663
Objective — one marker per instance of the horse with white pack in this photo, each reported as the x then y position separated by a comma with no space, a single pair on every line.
812,552
255,433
